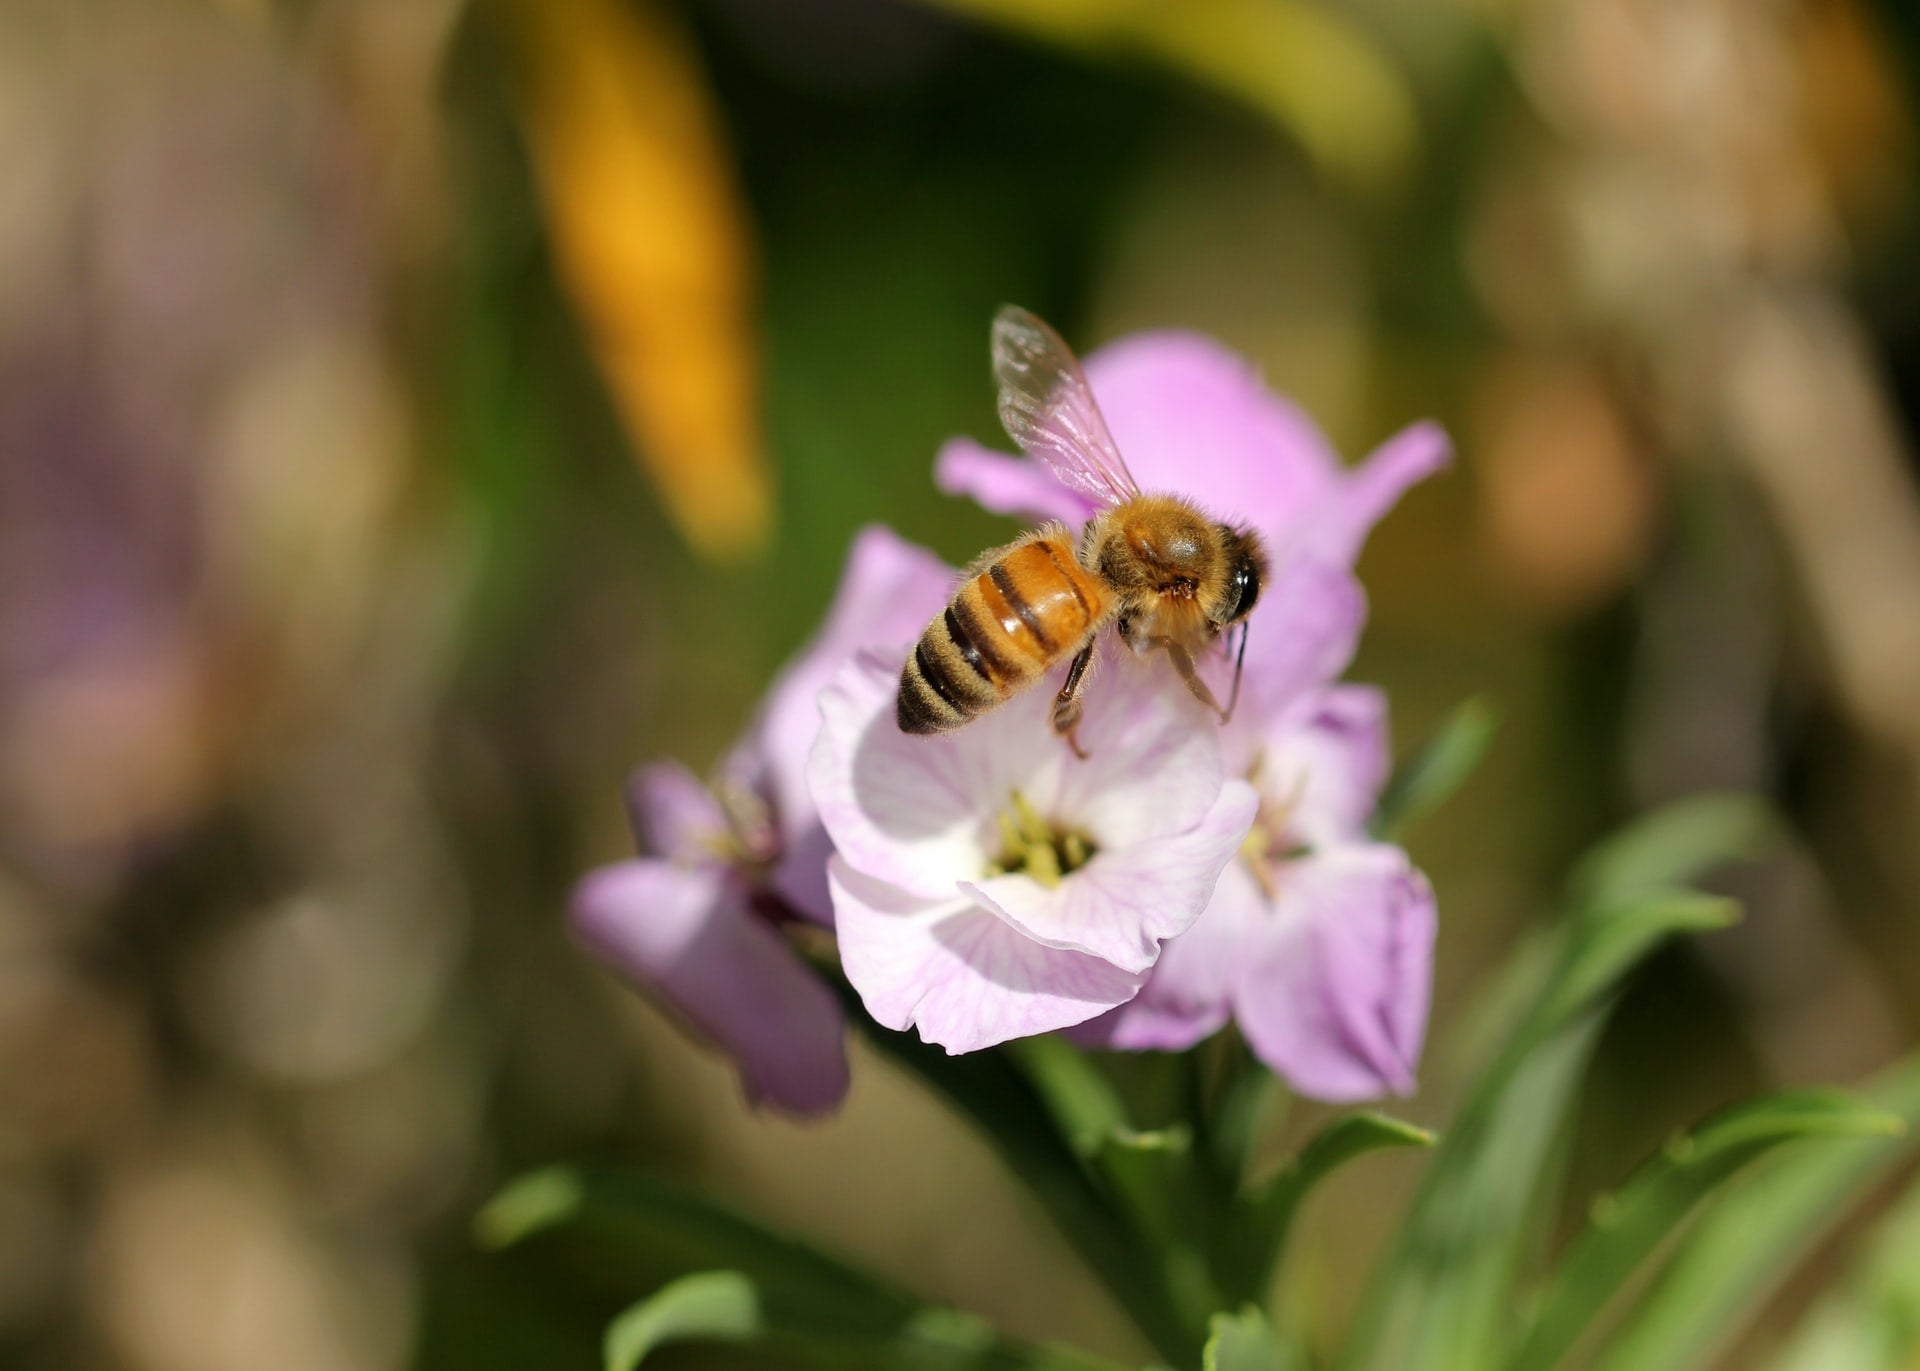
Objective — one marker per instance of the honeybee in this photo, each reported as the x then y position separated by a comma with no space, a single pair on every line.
1163,575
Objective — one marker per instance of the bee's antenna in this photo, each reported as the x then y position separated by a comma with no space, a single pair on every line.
1239,663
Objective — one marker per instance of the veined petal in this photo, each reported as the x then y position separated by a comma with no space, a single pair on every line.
1127,900
1338,1006
1189,994
686,936
963,977
913,811
1006,485
1153,754
674,815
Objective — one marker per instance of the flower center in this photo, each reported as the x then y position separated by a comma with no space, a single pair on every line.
1271,843
1031,846
750,840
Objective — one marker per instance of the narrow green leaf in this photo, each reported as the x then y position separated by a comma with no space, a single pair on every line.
1673,846
1268,1212
1607,942
1626,1227
710,1306
1872,1321
1444,1298
1245,1341
652,1230
807,1307
1426,780
529,1205
1728,1265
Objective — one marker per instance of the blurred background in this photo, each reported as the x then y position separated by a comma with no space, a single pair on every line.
414,412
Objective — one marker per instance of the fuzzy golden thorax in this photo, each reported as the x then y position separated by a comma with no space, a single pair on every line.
1178,575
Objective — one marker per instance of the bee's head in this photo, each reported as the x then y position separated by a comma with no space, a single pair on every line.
1246,568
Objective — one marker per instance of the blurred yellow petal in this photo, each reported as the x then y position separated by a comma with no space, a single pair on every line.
1301,65
648,232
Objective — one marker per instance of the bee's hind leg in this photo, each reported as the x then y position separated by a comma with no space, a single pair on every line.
1183,663
1067,706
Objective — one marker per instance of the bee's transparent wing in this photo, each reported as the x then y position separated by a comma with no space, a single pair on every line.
1048,409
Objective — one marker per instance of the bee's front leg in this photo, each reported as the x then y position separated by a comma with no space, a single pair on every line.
1067,706
1183,663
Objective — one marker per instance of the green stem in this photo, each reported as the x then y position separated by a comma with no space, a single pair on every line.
998,1097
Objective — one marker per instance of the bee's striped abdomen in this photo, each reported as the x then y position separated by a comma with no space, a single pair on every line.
1032,607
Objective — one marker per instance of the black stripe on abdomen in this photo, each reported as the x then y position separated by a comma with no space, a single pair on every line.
1018,604
964,644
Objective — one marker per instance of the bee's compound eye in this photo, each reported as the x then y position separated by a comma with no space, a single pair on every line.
1246,586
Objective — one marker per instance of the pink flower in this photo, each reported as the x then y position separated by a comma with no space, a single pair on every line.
989,885
1318,941
698,922
1193,417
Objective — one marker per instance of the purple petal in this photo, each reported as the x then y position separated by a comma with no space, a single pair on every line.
800,876
1189,994
1302,634
1192,416
1326,761
1006,485
888,592
1338,1005
1127,900
1340,524
687,936
963,977
674,814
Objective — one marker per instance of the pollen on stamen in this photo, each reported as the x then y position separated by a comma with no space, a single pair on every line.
1032,846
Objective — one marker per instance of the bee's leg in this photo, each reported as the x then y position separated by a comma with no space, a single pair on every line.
1239,664
1183,663
1066,705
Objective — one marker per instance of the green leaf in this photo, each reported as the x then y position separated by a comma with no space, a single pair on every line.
1269,1211
1626,1227
1608,942
657,1231
1444,1298
1245,1342
809,1308
711,1306
1673,846
1728,1265
1429,778
1872,1322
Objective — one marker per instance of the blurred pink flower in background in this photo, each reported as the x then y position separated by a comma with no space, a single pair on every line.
989,885
697,922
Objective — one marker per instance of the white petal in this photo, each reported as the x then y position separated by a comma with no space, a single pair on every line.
905,809
1123,903
966,979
